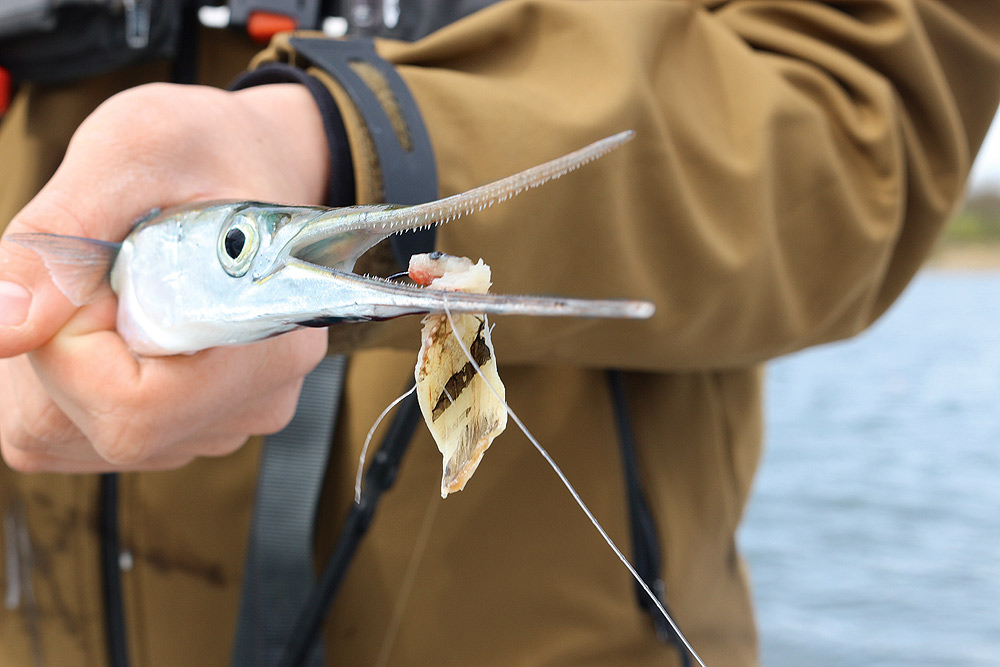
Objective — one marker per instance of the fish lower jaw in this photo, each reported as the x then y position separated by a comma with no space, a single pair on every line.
143,345
142,336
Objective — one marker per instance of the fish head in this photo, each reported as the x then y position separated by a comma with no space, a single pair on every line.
227,272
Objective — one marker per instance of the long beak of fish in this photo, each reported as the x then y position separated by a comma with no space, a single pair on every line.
312,257
322,295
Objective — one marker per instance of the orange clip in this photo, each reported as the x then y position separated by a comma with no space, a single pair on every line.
6,90
262,26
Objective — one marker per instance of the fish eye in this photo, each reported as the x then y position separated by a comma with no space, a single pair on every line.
235,242
238,244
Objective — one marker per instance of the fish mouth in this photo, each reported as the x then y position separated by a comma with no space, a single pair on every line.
302,238
319,254
329,238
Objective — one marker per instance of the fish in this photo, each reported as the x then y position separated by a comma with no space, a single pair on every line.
461,412
229,272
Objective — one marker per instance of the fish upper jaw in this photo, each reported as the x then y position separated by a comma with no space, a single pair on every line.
334,238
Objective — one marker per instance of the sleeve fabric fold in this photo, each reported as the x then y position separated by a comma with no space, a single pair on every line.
794,163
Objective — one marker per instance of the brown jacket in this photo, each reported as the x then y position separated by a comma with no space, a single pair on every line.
793,165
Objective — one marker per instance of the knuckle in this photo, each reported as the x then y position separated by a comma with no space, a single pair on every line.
118,442
160,465
121,452
24,436
139,144
223,446
120,457
140,101
20,460
281,411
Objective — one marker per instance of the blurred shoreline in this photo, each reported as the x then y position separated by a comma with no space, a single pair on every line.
971,241
965,257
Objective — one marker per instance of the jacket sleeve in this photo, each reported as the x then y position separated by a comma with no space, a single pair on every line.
794,162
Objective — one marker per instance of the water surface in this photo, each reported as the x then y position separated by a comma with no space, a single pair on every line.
873,534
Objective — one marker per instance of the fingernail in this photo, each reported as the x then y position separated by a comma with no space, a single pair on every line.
14,303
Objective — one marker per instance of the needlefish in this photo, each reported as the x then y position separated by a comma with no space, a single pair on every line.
215,273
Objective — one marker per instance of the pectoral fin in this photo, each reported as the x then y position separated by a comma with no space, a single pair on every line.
78,266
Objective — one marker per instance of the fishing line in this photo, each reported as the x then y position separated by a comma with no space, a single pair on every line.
409,579
576,496
368,441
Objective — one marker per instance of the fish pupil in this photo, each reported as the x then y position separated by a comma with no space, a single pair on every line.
235,240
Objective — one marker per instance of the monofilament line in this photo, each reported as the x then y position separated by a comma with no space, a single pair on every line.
569,487
368,441
409,579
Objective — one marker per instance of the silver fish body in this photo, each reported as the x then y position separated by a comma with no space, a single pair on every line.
176,296
229,272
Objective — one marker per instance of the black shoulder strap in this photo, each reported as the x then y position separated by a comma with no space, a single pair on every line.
278,573
379,477
409,175
645,540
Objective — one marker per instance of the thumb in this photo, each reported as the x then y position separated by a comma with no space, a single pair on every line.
32,309
15,303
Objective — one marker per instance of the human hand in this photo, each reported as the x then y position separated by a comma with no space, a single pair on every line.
73,398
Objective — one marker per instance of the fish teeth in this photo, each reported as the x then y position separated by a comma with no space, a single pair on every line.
485,196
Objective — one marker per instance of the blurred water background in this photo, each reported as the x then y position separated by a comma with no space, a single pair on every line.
873,535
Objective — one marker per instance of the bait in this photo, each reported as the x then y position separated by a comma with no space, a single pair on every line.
461,412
